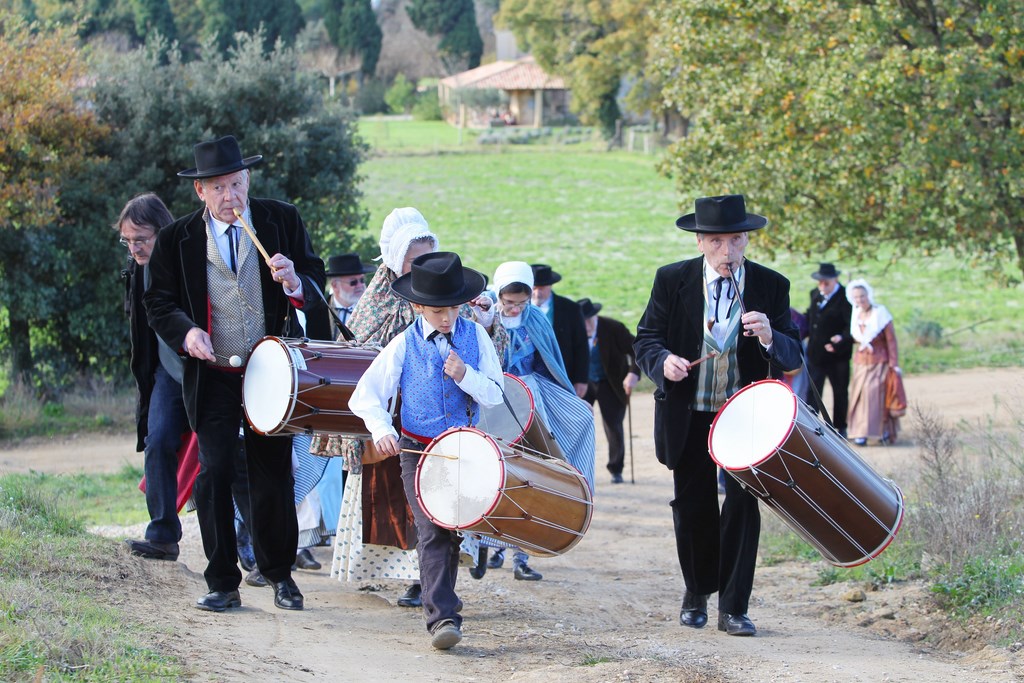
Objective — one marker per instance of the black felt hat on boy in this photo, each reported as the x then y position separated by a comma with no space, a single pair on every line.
439,279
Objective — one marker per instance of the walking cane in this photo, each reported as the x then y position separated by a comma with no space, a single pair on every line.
629,412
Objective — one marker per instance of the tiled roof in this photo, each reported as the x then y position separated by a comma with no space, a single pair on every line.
522,74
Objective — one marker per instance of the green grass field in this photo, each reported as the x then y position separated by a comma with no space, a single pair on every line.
605,221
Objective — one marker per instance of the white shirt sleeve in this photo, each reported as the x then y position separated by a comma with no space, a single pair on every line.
484,384
377,389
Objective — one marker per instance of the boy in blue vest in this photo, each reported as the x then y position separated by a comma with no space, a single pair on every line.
446,367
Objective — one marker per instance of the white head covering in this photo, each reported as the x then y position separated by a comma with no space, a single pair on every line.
400,228
510,272
863,284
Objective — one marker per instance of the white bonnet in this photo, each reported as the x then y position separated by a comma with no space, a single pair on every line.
400,228
861,284
513,271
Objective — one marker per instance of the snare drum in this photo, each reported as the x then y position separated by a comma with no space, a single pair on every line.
300,386
804,471
468,481
518,421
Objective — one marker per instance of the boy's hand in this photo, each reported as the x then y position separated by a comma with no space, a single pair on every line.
454,366
388,445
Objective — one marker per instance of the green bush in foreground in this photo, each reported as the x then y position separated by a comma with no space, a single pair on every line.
54,579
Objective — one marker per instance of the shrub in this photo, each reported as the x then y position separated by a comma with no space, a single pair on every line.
401,95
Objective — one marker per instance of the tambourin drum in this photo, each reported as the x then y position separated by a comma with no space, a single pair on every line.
518,421
804,471
470,482
299,386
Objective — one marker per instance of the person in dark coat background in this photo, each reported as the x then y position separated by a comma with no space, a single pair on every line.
829,344
613,374
564,315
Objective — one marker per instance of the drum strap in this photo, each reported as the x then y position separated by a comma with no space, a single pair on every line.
345,332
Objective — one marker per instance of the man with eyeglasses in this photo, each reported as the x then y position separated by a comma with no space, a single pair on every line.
346,278
160,412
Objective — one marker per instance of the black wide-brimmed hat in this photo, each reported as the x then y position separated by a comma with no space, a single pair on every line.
724,214
543,275
439,279
826,271
219,157
347,264
588,308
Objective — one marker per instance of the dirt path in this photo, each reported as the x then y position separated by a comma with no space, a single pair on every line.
612,603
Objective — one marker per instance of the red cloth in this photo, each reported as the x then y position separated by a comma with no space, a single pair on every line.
188,468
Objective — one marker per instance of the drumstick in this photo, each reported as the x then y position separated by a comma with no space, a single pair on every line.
234,361
703,358
252,235
436,455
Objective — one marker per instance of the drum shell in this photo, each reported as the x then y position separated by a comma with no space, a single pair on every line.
519,421
822,489
541,505
319,387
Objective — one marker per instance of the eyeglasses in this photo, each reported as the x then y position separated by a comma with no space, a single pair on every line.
356,281
124,242
515,304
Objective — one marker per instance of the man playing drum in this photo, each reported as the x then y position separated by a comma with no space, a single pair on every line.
713,325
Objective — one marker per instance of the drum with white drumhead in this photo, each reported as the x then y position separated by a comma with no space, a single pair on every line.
804,471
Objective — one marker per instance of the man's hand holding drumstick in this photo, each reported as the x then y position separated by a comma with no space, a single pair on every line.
281,266
677,368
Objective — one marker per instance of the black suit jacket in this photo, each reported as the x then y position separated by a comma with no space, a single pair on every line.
145,356
826,322
615,347
178,300
571,334
674,323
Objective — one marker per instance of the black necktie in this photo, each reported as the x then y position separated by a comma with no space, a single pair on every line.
343,313
718,297
233,246
446,335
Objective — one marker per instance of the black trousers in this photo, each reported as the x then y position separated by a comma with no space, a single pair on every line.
717,548
613,412
838,375
271,497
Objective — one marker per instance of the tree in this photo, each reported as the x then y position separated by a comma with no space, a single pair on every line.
154,15
455,22
855,126
275,19
594,45
401,95
48,137
352,27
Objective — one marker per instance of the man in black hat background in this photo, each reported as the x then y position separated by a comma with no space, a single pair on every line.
564,315
213,296
694,309
613,374
346,278
829,344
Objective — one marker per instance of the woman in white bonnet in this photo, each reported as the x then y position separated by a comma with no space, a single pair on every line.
382,545
875,352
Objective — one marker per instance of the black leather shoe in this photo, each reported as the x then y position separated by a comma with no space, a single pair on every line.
305,560
218,601
617,479
255,579
154,550
523,572
736,624
695,610
497,559
287,595
412,597
480,569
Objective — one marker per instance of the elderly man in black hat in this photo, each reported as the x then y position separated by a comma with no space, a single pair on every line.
613,374
829,343
212,298
564,315
346,277
720,304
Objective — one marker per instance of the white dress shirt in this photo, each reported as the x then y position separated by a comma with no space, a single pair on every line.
378,386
